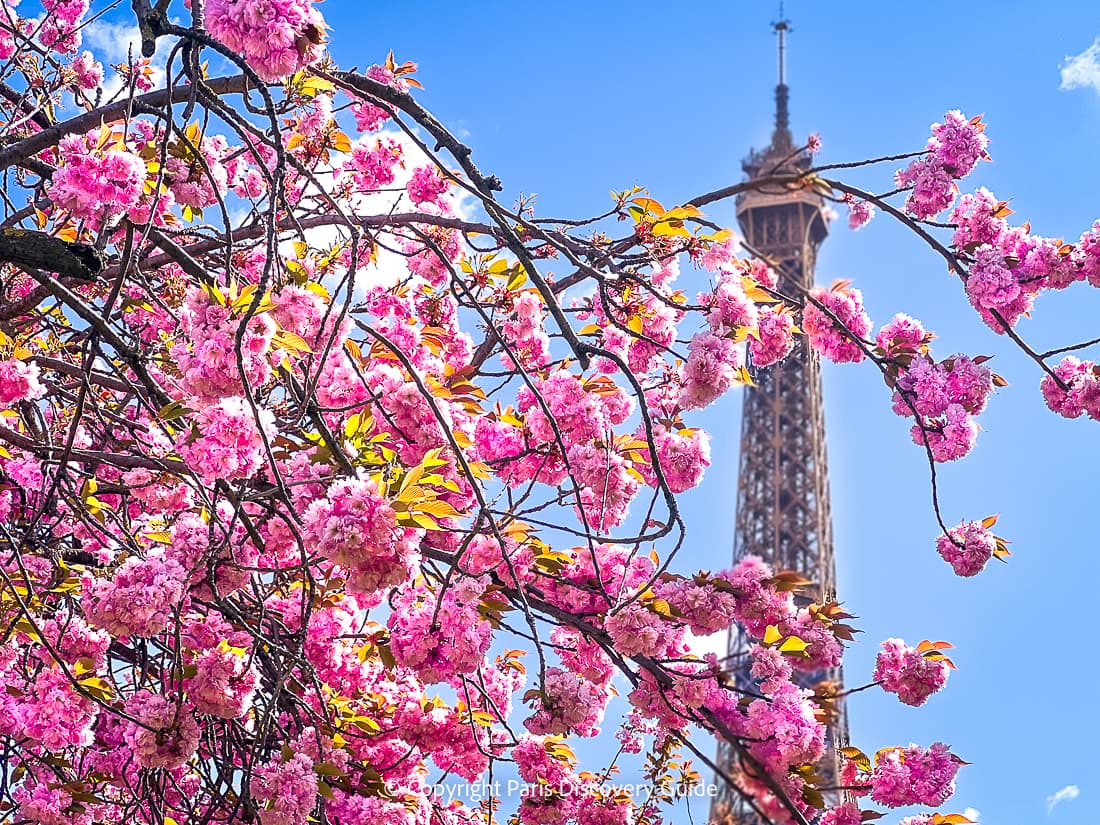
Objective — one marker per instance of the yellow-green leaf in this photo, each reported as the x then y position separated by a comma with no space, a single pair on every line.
793,644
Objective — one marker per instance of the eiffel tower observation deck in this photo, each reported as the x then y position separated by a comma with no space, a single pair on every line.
782,512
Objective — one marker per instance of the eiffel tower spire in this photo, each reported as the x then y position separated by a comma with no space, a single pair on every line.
782,510
781,138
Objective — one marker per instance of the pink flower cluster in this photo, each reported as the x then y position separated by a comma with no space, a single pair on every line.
933,187
943,397
1081,394
684,455
757,602
710,370
730,308
691,687
607,485
441,636
582,656
229,443
909,673
846,814
954,150
637,326
54,715
993,286
525,333
860,212
368,117
371,167
224,683
837,342
60,29
774,337
96,183
168,734
903,338
19,381
87,72
199,181
967,547
823,648
276,37
426,185
639,631
1086,255
1009,266
570,704
771,668
914,776
355,527
706,605
785,730
288,790
46,805
207,357
958,144
554,796
139,600
582,413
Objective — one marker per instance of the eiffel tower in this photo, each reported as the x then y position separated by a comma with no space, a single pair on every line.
783,488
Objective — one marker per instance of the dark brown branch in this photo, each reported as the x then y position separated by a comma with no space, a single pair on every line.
26,248
87,121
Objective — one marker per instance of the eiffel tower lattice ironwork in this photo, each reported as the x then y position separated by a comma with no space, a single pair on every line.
782,511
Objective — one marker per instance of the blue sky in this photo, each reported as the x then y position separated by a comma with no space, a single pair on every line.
571,99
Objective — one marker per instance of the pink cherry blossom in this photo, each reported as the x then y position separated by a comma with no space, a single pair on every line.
229,443
169,733
355,527
224,682
914,776
287,789
19,381
836,341
967,547
441,636
426,185
711,369
139,599
277,37
860,212
774,338
570,705
907,672
1081,393
96,183
846,814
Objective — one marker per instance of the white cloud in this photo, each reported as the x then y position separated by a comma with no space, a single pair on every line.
391,267
1082,71
973,814
1064,795
113,40
716,643
114,43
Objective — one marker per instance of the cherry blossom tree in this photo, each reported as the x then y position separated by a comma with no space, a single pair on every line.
316,484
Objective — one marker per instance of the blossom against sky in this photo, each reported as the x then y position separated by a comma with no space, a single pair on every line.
571,99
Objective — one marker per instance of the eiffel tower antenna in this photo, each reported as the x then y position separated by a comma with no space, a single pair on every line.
782,26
